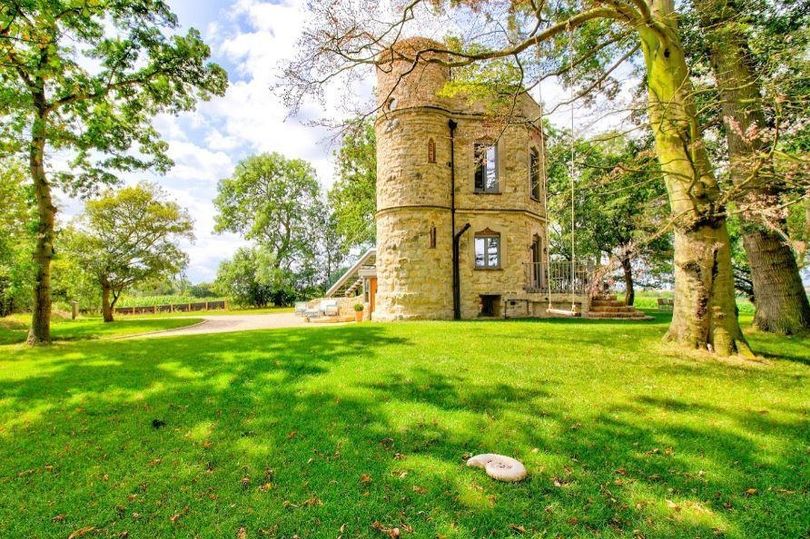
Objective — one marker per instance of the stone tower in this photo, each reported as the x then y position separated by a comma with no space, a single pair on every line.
461,225
414,235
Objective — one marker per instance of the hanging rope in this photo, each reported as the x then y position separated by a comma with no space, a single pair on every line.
573,171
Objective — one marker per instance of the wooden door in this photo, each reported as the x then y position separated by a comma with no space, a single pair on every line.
372,294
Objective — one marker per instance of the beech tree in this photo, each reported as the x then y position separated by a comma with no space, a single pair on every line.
752,132
83,78
346,35
126,237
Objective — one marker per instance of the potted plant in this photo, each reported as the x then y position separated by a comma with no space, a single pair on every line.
358,312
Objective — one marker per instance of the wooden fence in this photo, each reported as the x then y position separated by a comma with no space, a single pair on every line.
175,308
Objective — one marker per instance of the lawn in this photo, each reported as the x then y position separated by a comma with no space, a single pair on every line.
351,431
14,329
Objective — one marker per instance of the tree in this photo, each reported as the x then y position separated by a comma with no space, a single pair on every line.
620,202
344,36
83,78
250,278
750,132
275,202
16,237
126,237
353,197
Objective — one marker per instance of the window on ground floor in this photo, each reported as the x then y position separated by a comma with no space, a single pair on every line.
487,251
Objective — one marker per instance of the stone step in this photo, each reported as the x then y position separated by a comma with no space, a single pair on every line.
612,309
605,303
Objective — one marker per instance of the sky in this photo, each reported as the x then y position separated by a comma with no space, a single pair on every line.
250,39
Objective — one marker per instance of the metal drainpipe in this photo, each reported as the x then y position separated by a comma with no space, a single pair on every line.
455,236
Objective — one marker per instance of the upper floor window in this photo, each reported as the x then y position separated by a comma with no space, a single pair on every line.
487,250
486,168
534,173
431,151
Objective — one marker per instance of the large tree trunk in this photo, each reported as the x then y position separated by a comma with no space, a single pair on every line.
705,313
40,332
629,289
777,288
106,304
782,304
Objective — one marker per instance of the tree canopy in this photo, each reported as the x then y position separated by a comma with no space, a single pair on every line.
128,236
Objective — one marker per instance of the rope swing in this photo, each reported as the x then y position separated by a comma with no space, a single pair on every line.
572,171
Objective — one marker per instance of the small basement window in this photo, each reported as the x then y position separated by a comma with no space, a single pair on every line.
490,305
486,167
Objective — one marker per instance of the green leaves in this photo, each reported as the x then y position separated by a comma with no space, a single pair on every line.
128,236
275,202
96,72
353,197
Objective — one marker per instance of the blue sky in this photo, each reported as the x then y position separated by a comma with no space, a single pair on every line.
249,38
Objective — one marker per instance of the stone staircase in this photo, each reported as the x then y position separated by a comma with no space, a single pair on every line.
607,307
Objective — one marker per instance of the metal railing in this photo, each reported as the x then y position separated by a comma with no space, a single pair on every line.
557,278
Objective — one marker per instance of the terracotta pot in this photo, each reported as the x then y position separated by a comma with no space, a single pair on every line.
358,316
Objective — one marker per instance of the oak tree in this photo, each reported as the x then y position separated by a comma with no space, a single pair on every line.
126,237
81,80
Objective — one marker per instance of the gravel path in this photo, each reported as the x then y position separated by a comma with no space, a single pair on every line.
235,322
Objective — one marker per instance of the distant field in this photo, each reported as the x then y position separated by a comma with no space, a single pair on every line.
649,300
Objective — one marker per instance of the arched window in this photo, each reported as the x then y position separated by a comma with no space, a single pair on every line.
431,151
534,173
486,167
536,270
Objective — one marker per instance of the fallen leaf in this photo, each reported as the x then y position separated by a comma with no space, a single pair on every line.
242,533
58,518
292,434
81,532
175,517
365,479
517,528
312,501
419,490
750,491
265,487
245,481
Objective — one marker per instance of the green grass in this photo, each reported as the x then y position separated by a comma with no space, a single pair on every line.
324,431
14,329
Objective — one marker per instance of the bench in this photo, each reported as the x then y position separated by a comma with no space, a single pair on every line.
665,304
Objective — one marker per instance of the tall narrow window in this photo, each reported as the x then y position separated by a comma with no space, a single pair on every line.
432,237
536,272
534,173
486,168
431,151
487,250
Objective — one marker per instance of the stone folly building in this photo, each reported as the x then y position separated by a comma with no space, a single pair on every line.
461,224
461,221
444,176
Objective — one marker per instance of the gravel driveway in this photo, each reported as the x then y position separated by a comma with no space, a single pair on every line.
235,322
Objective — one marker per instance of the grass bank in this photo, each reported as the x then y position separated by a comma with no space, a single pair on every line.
356,430
14,329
